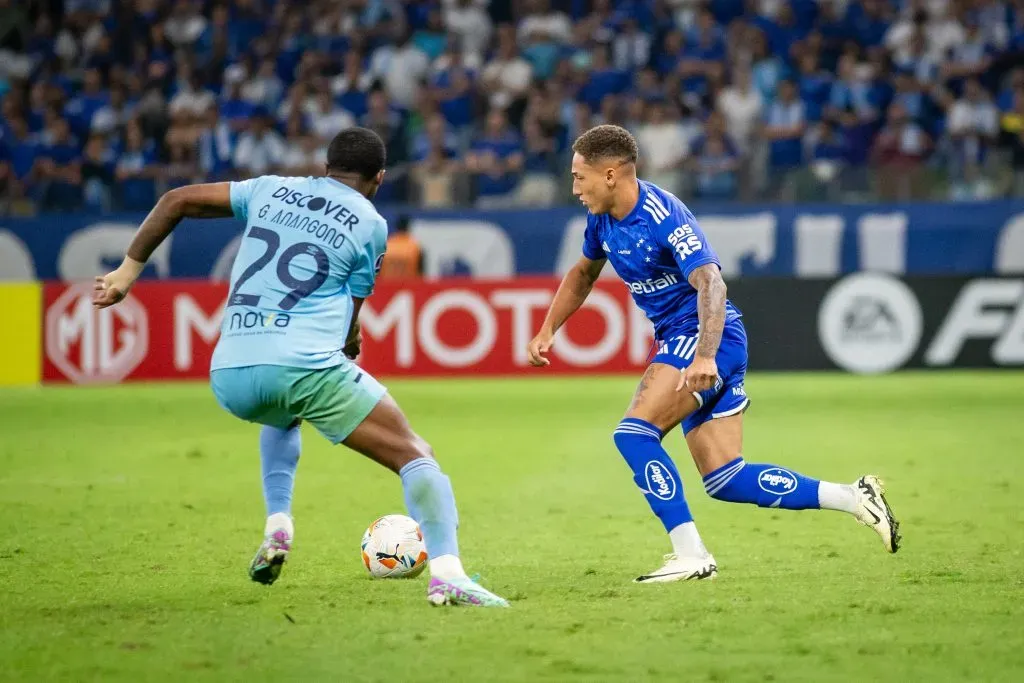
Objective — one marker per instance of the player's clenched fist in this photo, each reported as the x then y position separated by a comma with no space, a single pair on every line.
699,376
354,344
540,345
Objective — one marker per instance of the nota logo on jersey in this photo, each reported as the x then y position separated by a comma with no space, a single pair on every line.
684,241
777,481
660,482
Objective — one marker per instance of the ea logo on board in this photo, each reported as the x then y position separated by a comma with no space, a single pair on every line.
869,323
95,345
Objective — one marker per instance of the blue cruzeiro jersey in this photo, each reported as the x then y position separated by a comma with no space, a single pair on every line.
310,245
654,249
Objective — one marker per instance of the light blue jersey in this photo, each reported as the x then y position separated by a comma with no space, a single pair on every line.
310,245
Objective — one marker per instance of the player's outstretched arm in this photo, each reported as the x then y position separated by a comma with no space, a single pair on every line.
571,294
711,291
210,200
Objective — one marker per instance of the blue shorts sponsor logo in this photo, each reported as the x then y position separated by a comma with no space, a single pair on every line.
777,481
660,482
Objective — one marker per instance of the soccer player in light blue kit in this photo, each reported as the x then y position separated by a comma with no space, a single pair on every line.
311,250
696,377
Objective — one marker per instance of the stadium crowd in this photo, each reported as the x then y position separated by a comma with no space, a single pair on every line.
106,103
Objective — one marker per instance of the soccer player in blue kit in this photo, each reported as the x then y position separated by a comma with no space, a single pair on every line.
311,250
696,376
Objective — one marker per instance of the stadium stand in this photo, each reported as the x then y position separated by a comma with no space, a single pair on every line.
107,103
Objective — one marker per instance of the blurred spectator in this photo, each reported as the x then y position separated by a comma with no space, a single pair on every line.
542,23
402,68
185,24
304,155
182,169
328,119
785,125
19,149
81,108
470,26
603,80
969,58
350,87
973,126
539,185
452,88
234,110
432,39
264,88
260,150
404,256
825,150
900,152
631,48
703,56
98,164
112,117
742,106
507,76
495,159
944,31
215,147
386,121
434,164
136,172
715,162
541,33
815,85
663,146
868,21
57,173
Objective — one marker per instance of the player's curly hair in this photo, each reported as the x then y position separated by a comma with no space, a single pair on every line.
356,150
606,142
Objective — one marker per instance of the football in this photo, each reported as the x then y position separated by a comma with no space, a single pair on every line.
393,548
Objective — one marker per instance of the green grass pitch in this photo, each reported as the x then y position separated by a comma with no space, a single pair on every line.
131,514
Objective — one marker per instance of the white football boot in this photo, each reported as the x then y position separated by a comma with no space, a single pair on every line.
678,568
874,511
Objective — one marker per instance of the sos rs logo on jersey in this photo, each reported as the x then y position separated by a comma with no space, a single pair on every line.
684,241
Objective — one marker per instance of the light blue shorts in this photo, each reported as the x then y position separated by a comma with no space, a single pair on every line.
334,400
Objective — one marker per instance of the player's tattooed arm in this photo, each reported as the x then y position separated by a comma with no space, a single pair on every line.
710,286
209,200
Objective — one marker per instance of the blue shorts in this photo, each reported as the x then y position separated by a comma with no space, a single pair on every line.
335,400
728,396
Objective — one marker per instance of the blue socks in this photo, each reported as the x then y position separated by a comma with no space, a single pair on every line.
767,486
429,497
279,456
653,471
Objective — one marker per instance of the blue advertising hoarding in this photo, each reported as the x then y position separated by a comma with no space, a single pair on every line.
796,240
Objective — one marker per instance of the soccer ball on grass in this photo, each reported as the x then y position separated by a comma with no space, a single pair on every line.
393,548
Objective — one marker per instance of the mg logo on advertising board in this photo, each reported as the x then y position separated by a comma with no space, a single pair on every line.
89,345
